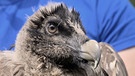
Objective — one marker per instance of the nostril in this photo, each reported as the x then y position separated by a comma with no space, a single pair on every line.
84,61
84,41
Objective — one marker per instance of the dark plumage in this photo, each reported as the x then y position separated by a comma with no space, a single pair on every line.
53,42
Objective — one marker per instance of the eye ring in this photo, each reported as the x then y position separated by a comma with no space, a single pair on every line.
52,28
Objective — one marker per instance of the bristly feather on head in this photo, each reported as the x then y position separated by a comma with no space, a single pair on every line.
59,10
54,31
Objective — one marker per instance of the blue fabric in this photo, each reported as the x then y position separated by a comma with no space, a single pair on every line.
111,21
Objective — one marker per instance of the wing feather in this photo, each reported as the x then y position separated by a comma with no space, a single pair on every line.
8,67
111,62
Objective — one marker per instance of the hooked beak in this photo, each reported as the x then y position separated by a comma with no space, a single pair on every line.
91,52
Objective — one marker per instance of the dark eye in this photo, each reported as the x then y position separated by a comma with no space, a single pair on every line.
52,28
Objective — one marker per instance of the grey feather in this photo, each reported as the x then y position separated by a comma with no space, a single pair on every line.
50,44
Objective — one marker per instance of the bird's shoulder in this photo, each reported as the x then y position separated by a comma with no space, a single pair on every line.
8,66
111,62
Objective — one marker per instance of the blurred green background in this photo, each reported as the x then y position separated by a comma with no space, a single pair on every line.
133,2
